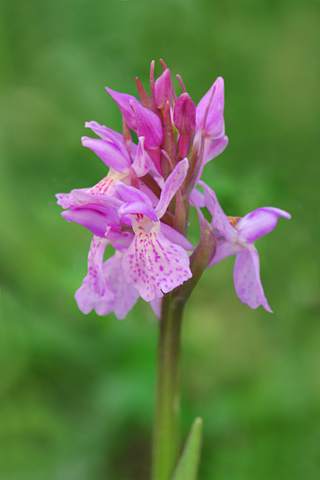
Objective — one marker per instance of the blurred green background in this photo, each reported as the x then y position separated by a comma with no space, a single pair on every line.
77,391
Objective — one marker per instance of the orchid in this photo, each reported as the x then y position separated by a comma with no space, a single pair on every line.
153,263
139,213
236,236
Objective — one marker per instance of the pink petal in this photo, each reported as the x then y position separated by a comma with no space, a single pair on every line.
109,153
142,162
106,186
95,221
148,126
214,125
197,198
119,239
224,249
175,237
219,219
68,200
213,148
247,281
155,155
134,208
111,136
154,264
95,292
258,223
152,196
107,134
125,295
123,100
156,305
132,194
84,197
171,185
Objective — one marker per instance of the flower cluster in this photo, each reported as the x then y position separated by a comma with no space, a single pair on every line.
141,207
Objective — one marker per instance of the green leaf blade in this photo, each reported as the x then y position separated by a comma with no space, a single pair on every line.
187,467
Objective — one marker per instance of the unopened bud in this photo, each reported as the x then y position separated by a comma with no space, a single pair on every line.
184,114
164,90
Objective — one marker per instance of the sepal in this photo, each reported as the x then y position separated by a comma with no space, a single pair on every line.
105,133
209,116
109,153
124,101
213,149
259,222
148,125
171,186
96,221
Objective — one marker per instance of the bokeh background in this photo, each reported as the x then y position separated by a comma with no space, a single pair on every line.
77,391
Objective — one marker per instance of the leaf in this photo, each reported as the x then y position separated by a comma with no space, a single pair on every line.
187,466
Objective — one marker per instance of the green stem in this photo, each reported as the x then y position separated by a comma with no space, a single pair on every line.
166,422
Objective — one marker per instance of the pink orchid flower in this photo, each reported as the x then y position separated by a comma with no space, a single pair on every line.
236,237
153,262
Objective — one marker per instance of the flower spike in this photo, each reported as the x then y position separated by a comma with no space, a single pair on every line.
141,206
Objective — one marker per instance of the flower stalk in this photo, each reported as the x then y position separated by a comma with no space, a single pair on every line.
166,436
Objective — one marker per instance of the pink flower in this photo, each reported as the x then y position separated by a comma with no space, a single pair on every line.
153,263
236,237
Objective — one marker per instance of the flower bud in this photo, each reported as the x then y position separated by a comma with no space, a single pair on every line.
184,114
164,91
184,117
